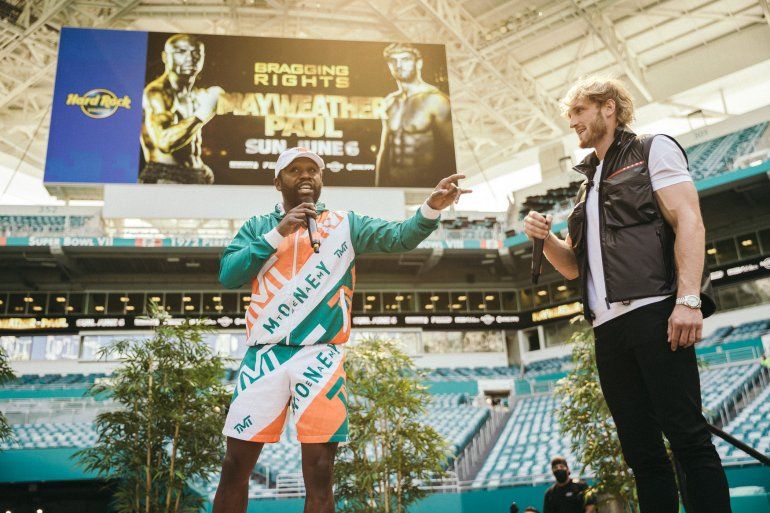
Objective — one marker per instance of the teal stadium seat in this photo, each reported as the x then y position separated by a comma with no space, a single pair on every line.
752,425
717,156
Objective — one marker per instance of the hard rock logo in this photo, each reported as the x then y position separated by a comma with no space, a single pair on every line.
98,103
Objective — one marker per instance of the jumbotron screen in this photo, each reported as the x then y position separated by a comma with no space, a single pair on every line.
150,107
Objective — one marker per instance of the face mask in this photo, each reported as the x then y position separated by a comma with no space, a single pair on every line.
560,475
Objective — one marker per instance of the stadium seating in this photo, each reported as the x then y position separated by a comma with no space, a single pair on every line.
752,425
449,414
49,435
717,156
208,487
464,228
527,443
456,423
723,385
471,373
539,368
59,409
558,202
32,381
548,366
746,331
34,225
531,436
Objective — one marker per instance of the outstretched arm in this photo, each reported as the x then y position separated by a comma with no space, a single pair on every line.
377,235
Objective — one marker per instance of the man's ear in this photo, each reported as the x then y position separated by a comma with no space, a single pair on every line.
609,107
277,182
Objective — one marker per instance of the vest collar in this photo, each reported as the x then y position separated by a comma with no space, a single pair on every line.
588,166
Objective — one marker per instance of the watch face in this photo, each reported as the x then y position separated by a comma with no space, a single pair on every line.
692,301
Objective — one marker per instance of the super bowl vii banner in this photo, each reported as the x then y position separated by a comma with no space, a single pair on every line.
201,109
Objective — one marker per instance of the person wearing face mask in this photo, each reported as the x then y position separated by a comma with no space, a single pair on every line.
567,495
298,319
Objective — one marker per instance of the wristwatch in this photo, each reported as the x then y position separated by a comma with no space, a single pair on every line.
690,301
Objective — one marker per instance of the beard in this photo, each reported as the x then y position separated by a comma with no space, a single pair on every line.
594,132
295,196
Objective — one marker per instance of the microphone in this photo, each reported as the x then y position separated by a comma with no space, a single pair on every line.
537,257
312,233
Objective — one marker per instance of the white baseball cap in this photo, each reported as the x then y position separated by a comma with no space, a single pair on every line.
292,154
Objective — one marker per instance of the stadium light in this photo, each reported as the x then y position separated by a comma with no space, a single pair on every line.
711,251
429,307
370,298
216,299
189,307
434,298
124,299
482,306
399,298
37,308
561,288
462,298
60,299
186,299
129,308
172,259
246,298
489,297
155,299
747,242
99,308
28,299
542,292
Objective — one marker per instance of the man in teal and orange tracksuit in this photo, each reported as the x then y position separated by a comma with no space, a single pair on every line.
297,321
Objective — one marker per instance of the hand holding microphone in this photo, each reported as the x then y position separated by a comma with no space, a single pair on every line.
312,233
297,218
537,227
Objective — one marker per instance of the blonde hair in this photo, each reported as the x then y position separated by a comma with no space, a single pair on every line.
599,89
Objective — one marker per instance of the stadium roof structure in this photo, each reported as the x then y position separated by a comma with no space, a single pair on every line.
509,60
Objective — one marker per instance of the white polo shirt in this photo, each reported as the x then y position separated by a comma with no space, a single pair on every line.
667,166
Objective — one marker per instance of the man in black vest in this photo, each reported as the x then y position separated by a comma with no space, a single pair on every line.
636,241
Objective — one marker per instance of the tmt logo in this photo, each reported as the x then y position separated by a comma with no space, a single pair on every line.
246,422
